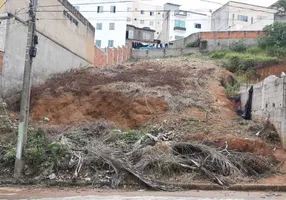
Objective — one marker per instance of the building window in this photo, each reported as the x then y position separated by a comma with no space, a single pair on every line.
129,9
233,17
99,26
146,36
111,26
159,13
199,26
130,34
112,9
99,9
142,12
142,21
252,21
180,23
151,23
242,18
177,37
151,13
110,43
70,17
128,19
98,43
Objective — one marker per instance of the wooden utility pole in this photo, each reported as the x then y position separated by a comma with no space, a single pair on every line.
32,40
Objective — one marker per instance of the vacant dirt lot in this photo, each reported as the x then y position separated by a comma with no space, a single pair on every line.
153,116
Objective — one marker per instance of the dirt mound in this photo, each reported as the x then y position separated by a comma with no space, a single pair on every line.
125,112
238,144
130,96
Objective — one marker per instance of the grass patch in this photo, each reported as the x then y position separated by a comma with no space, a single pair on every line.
39,152
243,61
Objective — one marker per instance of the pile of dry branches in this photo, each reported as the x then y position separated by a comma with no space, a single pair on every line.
153,155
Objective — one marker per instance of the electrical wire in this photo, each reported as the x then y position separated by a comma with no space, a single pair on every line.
239,7
156,20
84,4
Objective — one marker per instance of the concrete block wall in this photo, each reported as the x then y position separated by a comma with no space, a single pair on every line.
52,58
162,53
269,103
219,40
225,40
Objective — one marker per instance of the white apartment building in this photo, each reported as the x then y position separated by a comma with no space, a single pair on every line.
110,19
178,23
241,16
144,15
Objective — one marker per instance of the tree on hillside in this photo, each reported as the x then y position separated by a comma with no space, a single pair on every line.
280,6
275,39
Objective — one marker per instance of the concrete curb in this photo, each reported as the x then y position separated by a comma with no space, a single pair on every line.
238,187
204,187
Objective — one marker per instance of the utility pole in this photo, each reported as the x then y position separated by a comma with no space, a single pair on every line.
32,40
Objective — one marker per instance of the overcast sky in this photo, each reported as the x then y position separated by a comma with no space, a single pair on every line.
204,6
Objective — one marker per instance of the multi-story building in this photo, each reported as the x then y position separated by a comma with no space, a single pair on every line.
110,19
241,16
144,15
178,23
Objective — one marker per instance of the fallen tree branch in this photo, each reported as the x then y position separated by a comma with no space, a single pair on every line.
118,163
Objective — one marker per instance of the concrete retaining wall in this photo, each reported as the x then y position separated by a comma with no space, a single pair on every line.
220,40
52,58
163,53
269,103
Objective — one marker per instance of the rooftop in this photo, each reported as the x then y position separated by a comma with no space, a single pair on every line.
172,4
247,4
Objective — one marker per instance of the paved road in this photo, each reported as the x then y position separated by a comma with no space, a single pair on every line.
155,198
91,194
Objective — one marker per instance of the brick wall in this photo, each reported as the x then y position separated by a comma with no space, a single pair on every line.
271,70
1,61
231,35
99,57
219,40
111,56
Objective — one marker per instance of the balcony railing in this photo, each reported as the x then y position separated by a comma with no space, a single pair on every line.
180,28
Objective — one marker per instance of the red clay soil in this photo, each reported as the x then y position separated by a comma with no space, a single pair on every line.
257,147
125,112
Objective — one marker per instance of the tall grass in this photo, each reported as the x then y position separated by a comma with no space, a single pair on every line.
244,61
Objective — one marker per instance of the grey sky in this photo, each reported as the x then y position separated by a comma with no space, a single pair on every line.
204,6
